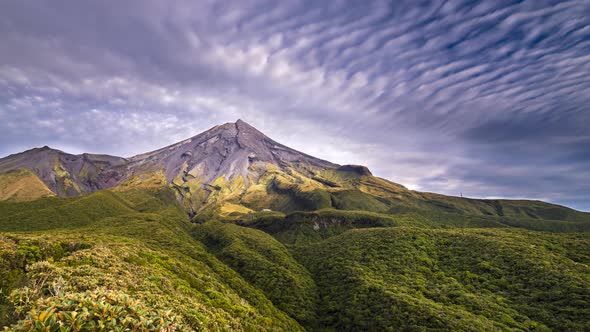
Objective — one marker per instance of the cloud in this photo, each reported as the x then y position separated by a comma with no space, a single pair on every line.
487,99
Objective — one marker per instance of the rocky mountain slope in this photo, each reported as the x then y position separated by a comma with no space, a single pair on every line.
66,174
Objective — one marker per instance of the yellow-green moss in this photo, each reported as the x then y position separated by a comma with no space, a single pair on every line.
233,210
144,180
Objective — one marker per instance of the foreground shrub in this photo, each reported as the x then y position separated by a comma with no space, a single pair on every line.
101,309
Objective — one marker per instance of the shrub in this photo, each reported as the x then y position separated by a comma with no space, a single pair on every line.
100,309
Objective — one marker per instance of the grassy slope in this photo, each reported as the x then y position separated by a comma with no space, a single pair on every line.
59,213
299,228
291,191
295,189
22,185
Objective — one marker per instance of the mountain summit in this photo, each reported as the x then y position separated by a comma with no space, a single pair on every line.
231,150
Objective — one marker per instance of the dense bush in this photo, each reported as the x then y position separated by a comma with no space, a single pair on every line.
469,279
266,264
302,228
100,309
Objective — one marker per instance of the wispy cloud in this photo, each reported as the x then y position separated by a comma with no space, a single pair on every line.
485,98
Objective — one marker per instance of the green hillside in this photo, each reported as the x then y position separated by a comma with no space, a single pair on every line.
141,249
131,257
469,279
266,264
292,192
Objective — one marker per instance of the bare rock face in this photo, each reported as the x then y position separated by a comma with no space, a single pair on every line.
229,150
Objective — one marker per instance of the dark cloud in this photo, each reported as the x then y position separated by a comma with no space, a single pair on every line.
486,98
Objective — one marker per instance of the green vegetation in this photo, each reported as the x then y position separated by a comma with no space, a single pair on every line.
52,213
292,189
147,255
93,310
301,228
65,184
266,264
345,252
469,279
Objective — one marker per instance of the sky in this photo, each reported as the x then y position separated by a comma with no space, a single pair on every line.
480,98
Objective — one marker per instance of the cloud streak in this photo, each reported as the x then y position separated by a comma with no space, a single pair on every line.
485,98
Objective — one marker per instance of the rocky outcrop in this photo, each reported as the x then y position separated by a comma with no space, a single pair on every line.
358,169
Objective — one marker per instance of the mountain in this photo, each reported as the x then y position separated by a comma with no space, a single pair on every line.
232,231
232,152
66,174
233,170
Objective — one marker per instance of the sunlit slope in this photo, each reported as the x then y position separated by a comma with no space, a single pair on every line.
396,197
289,189
354,190
22,185
347,188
